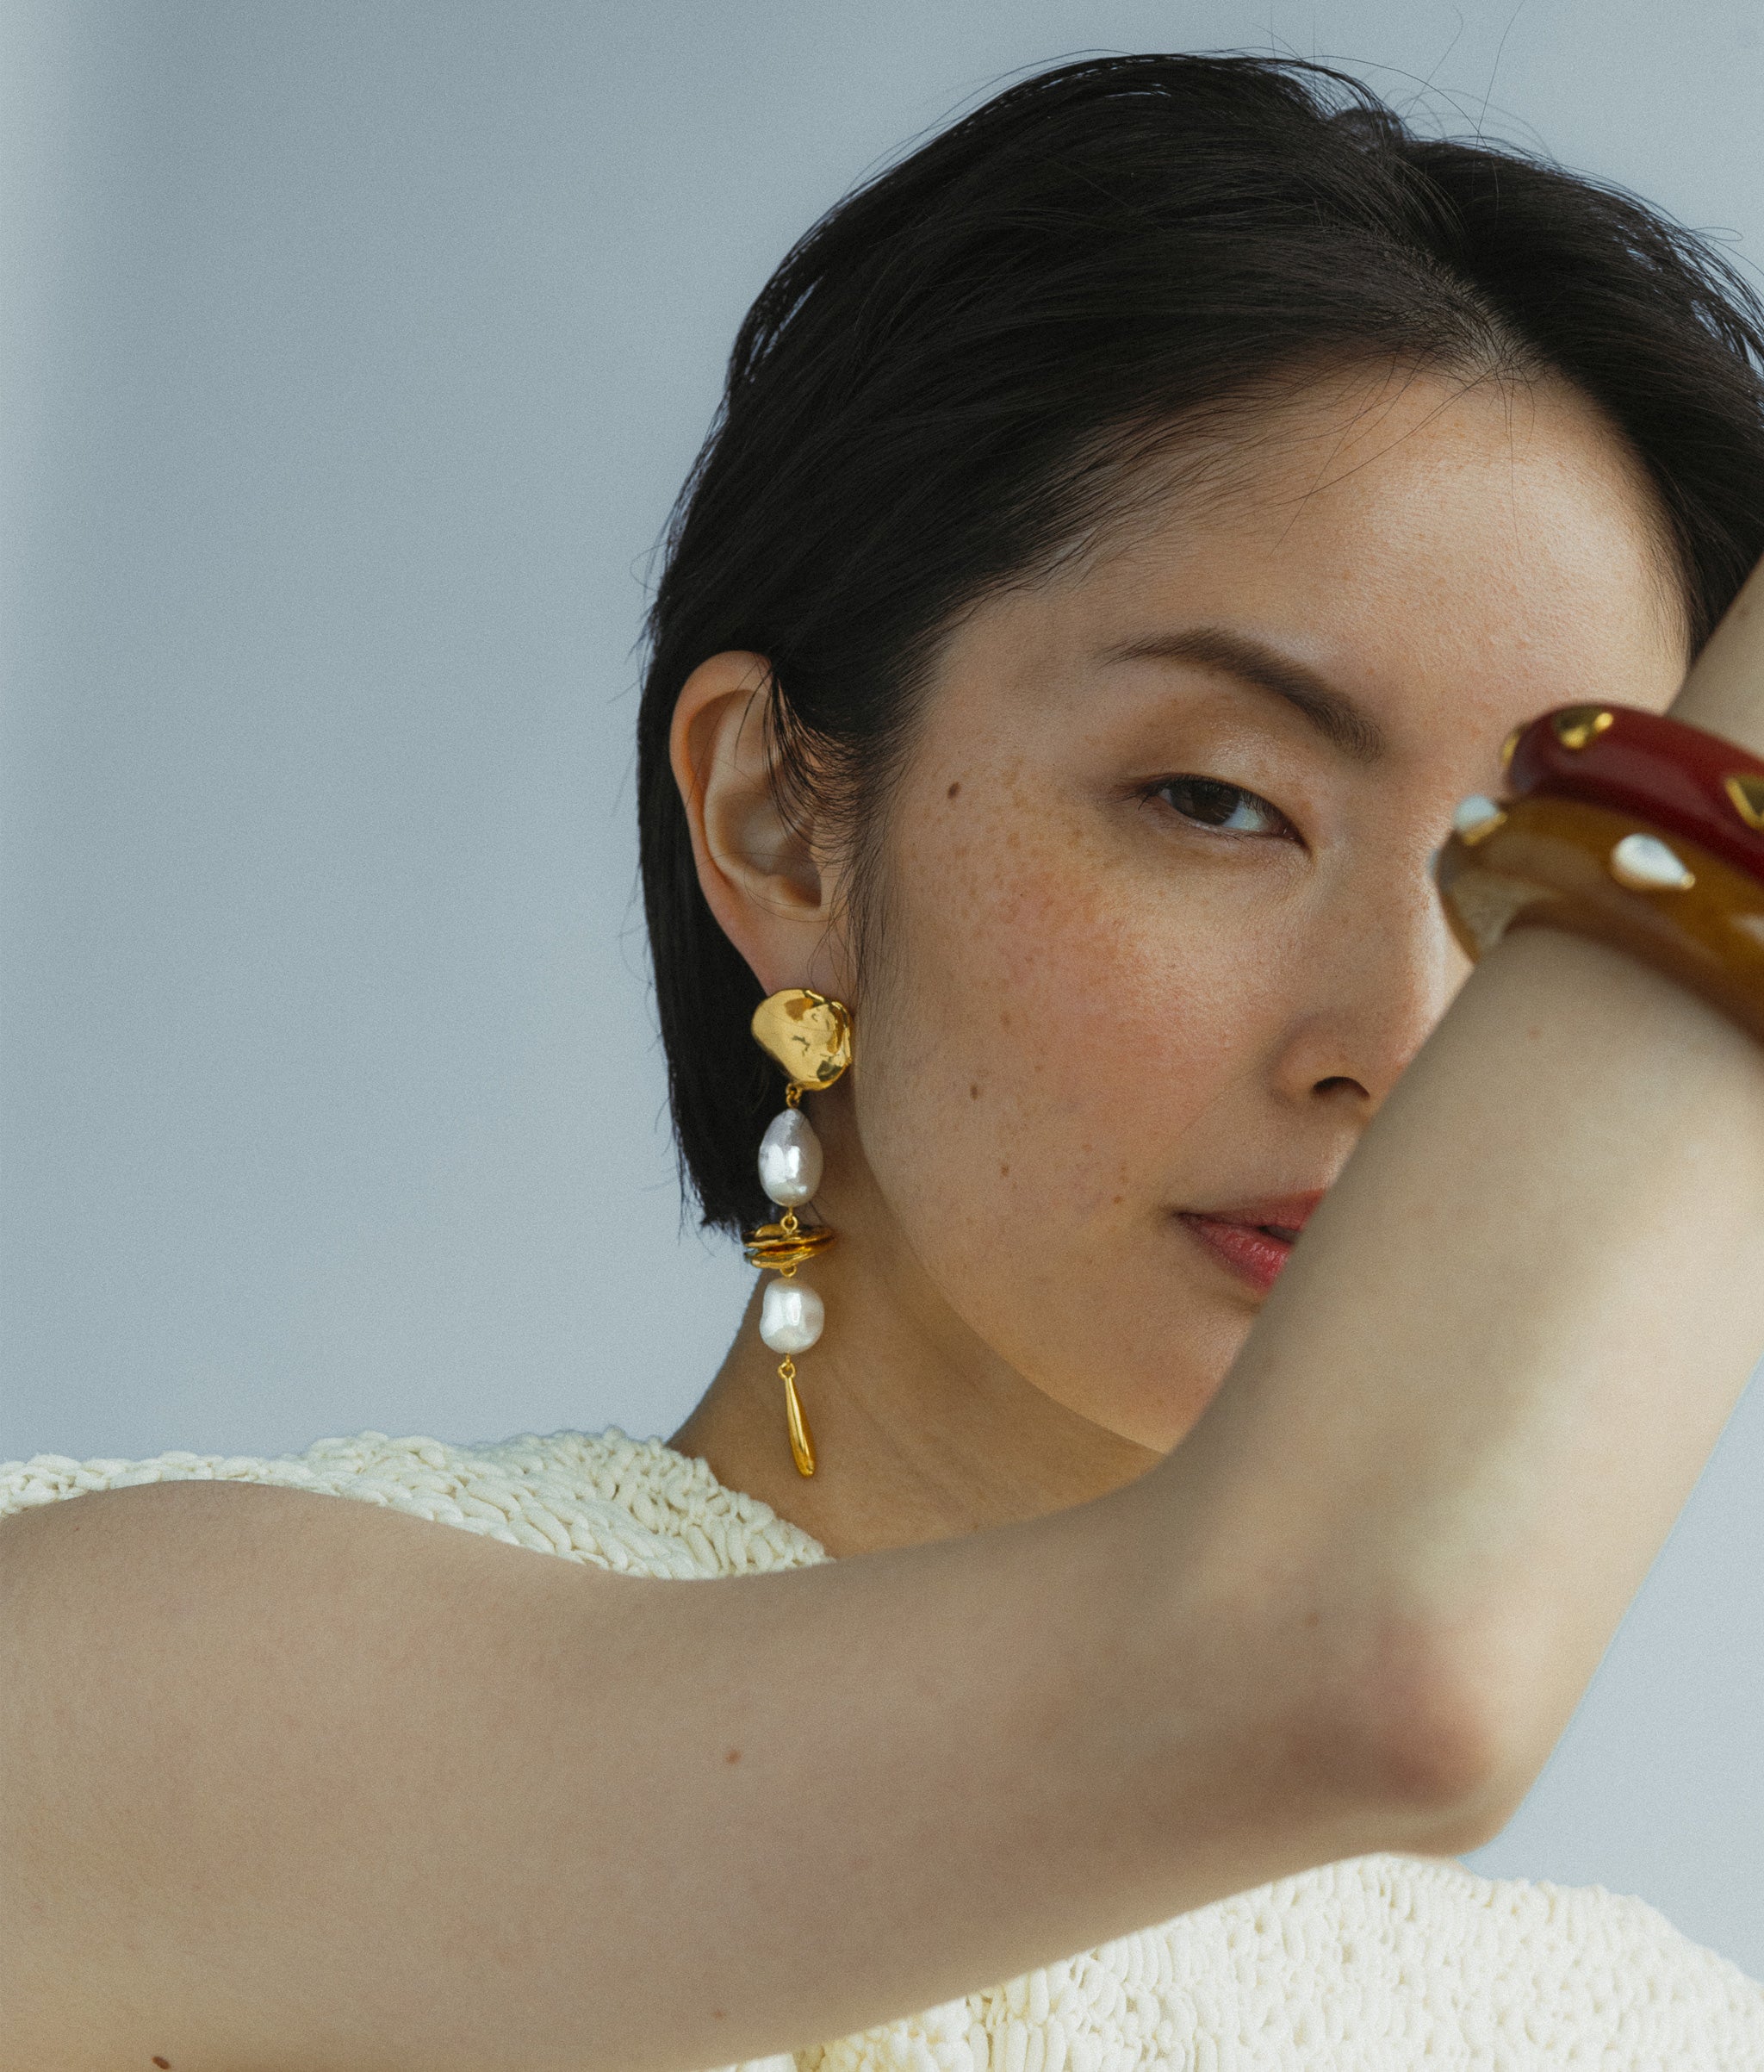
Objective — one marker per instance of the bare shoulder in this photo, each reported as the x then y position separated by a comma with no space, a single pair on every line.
111,1551
177,1513
200,1515
196,1569
222,1707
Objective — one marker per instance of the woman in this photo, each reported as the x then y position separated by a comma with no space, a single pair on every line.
1136,523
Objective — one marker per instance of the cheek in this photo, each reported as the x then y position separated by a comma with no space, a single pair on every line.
1056,1020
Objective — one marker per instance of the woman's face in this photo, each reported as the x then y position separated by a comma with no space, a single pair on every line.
1156,942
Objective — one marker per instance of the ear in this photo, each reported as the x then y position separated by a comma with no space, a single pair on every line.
760,874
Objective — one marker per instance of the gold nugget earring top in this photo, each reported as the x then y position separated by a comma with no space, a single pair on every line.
810,1036
807,1034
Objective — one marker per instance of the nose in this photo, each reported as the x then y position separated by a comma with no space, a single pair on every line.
1374,978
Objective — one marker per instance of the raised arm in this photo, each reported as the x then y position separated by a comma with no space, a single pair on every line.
291,1781
285,1782
1480,1393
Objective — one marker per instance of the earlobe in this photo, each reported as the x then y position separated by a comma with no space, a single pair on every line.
757,871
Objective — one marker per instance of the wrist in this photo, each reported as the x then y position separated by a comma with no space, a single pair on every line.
1731,704
1724,693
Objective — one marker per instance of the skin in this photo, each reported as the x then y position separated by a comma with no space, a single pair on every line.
1092,1009
297,1782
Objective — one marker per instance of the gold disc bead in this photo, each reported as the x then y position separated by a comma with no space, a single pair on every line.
785,1245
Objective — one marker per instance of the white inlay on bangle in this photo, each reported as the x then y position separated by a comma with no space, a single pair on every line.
790,1159
1476,815
791,1316
1646,864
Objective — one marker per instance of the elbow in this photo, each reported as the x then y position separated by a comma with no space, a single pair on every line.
1435,1742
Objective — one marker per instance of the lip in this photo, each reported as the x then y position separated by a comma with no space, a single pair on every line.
1235,1240
1290,1211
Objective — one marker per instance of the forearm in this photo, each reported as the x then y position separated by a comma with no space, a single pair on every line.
1013,1715
1496,1365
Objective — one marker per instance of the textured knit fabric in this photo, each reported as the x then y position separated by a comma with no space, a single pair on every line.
1375,1964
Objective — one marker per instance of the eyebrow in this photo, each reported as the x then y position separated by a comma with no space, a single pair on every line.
1348,728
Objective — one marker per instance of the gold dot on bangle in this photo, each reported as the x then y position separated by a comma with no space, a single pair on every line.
1747,792
1577,725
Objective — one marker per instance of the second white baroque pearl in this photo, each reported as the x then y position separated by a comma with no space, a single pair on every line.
791,1316
790,1159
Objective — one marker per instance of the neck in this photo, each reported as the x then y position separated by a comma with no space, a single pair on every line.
921,1432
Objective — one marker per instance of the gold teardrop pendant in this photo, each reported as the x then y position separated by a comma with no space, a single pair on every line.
802,1446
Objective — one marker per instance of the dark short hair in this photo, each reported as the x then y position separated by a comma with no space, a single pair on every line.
934,391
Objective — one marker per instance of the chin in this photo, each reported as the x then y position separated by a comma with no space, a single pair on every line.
1156,1400
1157,1418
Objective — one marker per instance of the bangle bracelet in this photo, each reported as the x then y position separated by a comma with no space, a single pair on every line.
1548,862
1677,778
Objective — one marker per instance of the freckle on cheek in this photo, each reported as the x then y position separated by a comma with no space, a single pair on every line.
952,790
1005,1172
973,1093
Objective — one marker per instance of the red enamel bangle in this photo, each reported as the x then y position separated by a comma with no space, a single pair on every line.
1664,771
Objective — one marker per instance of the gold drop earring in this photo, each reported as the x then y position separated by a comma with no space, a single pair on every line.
810,1038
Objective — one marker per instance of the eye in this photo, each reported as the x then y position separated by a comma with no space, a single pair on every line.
1227,808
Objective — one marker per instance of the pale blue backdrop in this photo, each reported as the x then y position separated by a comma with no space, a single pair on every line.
352,352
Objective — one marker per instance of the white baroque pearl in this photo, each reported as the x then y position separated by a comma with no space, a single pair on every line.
1645,863
791,1316
790,1159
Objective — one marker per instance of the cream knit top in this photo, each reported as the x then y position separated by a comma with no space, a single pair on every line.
1380,1962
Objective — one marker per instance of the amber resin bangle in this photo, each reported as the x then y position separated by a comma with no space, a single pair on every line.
1543,860
1677,779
